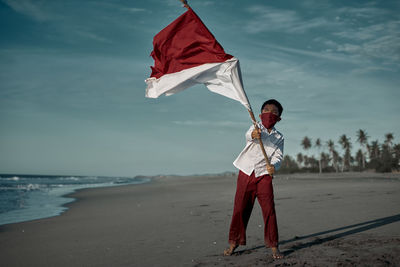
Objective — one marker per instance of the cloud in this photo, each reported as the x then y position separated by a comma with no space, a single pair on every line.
55,82
360,34
173,3
361,12
77,24
122,7
92,36
133,9
269,19
316,4
371,69
367,32
322,55
32,9
379,41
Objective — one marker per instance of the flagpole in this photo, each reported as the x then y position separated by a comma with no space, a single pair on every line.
259,138
185,4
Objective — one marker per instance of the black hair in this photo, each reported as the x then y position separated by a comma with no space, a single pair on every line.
273,102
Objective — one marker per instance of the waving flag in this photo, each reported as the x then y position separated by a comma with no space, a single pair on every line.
186,53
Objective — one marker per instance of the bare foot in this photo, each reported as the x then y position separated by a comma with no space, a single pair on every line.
276,254
229,251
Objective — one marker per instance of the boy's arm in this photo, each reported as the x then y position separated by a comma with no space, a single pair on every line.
277,156
252,134
249,138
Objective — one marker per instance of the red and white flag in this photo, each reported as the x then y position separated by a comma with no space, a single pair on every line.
186,53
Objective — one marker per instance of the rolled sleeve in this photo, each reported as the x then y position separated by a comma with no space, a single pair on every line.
248,134
252,159
277,156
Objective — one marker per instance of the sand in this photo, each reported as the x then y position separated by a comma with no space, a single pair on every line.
330,220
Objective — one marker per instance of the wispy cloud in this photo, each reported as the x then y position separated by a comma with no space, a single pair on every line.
33,9
324,55
127,8
385,48
269,19
287,76
361,12
371,69
351,34
381,41
360,33
133,9
78,23
172,3
92,36
73,82
205,3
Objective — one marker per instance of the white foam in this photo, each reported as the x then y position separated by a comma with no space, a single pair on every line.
73,178
46,200
28,187
15,178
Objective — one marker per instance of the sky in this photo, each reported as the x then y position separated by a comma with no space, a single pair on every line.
72,82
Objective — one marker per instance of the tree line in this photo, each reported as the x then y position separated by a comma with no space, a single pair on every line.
381,157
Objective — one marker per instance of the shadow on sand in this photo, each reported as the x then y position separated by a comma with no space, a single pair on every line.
354,229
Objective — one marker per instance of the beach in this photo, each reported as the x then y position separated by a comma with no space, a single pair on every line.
349,219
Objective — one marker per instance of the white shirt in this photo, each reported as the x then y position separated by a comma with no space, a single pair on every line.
252,159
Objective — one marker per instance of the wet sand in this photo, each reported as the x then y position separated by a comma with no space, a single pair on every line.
350,219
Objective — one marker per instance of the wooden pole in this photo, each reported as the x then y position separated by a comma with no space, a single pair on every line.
185,4
259,139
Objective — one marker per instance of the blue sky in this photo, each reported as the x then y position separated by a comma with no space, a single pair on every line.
72,82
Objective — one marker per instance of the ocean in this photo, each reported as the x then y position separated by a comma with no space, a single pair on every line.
30,197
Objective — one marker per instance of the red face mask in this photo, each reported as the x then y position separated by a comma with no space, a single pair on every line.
269,119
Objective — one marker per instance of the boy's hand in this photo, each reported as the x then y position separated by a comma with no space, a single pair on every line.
271,169
256,133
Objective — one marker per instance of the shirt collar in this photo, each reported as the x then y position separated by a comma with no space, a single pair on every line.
262,127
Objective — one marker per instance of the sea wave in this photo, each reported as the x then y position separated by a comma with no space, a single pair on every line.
29,187
28,197
73,178
14,178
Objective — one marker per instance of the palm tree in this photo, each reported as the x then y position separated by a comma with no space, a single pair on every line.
300,159
318,146
360,159
385,159
288,165
396,149
362,138
313,162
388,141
374,150
346,145
334,154
324,159
307,161
340,160
306,144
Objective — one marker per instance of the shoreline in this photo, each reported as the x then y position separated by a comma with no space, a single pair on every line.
165,178
59,201
184,221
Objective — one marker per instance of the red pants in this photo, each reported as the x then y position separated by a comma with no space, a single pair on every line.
248,188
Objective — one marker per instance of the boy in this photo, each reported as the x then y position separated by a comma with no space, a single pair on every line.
255,179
